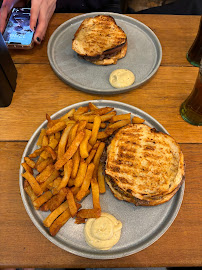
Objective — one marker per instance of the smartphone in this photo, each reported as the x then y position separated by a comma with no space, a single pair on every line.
17,34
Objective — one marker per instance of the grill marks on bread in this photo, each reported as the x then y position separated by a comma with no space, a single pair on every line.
99,38
147,162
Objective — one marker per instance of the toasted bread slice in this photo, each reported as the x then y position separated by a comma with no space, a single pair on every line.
145,163
98,35
126,196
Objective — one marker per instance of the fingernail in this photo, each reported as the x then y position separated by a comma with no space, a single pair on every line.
38,39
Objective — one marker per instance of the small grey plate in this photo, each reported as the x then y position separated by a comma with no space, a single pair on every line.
142,226
143,56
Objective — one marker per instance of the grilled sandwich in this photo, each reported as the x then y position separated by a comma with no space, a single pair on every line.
100,40
144,166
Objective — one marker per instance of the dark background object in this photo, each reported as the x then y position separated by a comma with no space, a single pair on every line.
8,75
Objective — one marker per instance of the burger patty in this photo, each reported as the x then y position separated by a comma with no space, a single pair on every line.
105,55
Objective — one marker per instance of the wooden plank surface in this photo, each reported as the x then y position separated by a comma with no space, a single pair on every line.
176,34
39,91
20,239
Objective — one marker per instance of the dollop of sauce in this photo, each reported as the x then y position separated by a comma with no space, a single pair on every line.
121,78
103,232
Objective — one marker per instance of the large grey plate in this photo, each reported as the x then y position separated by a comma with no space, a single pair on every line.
143,56
142,226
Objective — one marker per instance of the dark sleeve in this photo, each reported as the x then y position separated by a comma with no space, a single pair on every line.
80,5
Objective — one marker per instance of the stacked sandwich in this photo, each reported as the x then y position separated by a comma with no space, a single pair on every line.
100,40
144,166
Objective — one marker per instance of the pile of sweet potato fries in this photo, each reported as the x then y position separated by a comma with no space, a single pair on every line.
66,166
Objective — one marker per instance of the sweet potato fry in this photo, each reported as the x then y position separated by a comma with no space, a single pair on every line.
137,120
27,167
51,152
92,106
33,183
96,127
82,125
71,150
88,118
50,179
89,213
102,135
72,134
79,220
29,191
107,117
40,139
95,193
117,125
57,127
53,215
53,143
81,174
44,164
63,141
67,173
36,153
84,144
71,203
43,176
103,111
45,140
55,185
88,177
90,125
59,222
42,199
91,156
67,115
57,199
51,122
71,182
119,117
81,110
45,155
81,194
30,162
97,157
57,136
76,161
74,190
39,160
101,179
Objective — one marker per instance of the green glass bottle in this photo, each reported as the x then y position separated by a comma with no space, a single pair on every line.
191,108
194,54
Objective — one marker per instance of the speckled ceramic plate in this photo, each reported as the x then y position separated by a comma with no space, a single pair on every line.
142,226
143,56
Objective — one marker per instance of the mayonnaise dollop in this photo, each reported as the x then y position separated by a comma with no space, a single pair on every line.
103,232
121,78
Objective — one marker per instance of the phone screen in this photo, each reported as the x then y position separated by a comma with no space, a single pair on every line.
18,30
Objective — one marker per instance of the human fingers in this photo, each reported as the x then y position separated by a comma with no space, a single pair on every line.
46,11
34,13
5,8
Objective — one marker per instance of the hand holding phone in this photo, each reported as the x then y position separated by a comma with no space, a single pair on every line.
6,7
18,34
41,13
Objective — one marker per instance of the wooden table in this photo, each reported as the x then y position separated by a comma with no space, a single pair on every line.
39,91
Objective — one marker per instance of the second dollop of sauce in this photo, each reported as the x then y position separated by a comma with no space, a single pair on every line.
103,232
121,78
